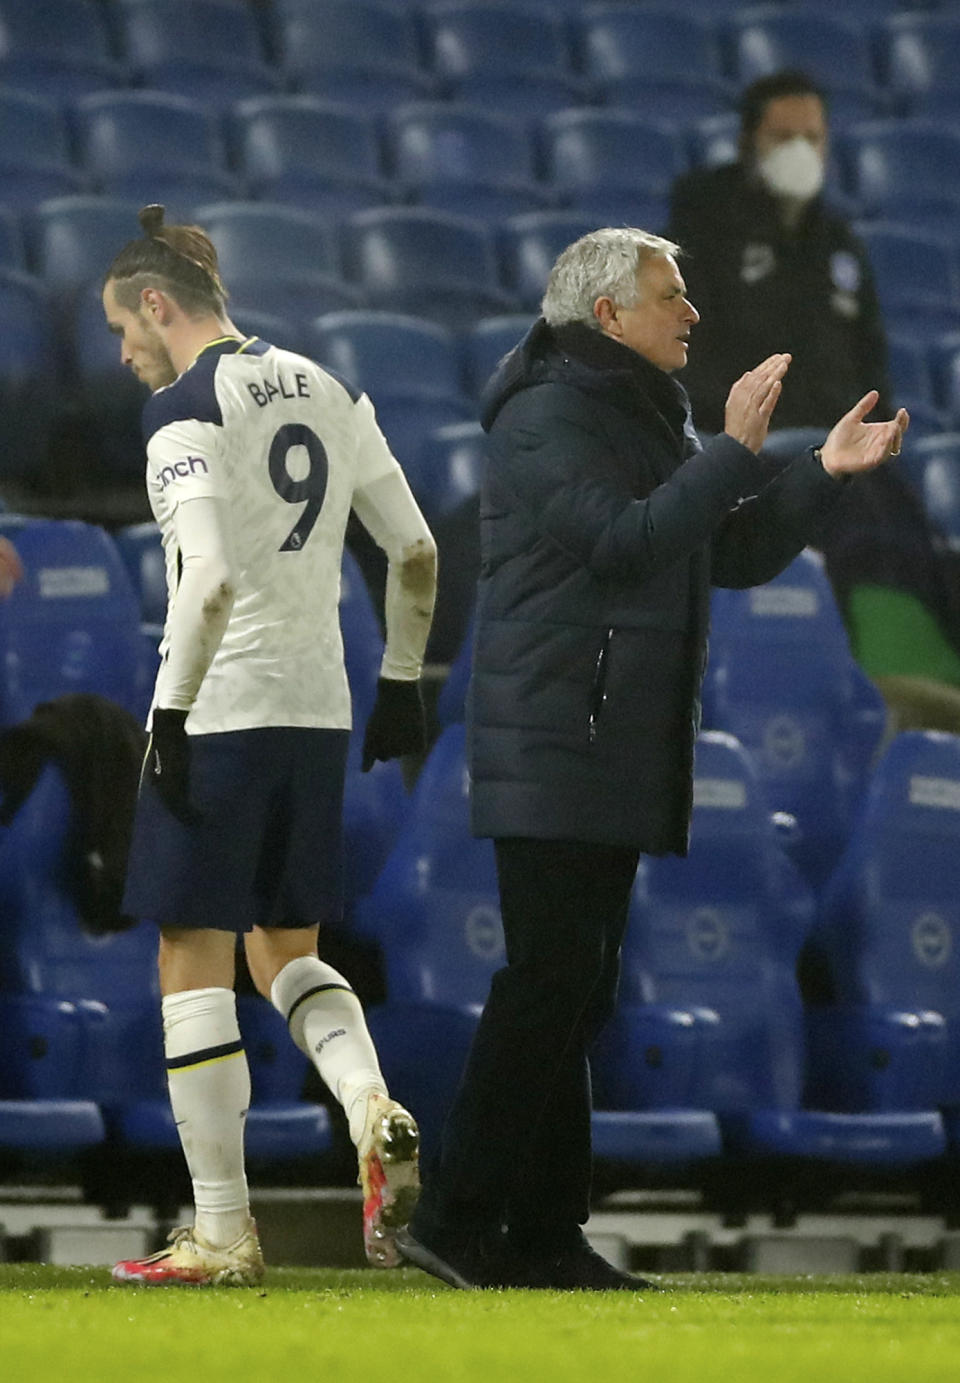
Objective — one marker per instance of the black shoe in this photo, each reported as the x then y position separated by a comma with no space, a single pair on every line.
468,1262
576,1269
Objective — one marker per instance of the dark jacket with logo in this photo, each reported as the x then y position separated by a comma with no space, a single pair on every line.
761,289
603,524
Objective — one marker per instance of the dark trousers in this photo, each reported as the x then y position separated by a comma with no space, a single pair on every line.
516,1144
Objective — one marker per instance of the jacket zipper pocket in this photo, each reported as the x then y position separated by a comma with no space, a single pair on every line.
598,690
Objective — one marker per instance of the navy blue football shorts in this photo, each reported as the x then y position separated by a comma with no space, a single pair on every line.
266,848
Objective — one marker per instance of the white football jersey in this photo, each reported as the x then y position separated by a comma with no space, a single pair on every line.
284,445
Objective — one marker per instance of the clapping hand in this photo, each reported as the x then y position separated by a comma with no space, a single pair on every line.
854,445
752,399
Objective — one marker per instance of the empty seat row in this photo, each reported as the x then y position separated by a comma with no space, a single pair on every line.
330,155
386,253
609,44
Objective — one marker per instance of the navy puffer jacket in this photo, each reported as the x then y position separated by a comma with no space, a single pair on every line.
603,524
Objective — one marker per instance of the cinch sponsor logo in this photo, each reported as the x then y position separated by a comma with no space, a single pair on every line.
180,470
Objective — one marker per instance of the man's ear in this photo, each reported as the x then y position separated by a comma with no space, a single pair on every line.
156,305
605,311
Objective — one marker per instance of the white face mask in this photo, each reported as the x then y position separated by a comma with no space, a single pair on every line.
792,169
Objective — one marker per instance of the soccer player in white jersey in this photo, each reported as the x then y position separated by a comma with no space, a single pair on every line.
255,457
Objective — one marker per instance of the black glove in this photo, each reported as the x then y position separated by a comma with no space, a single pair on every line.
169,764
396,725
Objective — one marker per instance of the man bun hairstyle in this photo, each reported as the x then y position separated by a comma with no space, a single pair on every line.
179,260
602,264
151,218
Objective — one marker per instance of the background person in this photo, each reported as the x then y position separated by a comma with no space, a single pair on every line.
772,267
603,524
255,457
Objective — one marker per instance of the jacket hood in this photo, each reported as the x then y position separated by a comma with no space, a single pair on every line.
520,368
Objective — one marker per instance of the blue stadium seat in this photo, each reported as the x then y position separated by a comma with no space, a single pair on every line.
370,91
297,299
72,240
530,244
714,139
452,700
887,1031
319,154
217,88
935,472
781,678
373,802
72,624
486,343
913,270
108,397
658,43
910,373
157,36
12,252
63,78
448,469
940,103
362,637
29,378
280,242
387,354
591,155
71,30
125,132
833,50
904,169
424,262
944,358
538,94
345,35
23,187
717,935
685,101
374,805
926,419
465,38
57,1127
408,419
277,259
142,552
34,132
457,157
919,54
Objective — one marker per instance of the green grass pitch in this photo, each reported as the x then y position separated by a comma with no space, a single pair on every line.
72,1325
